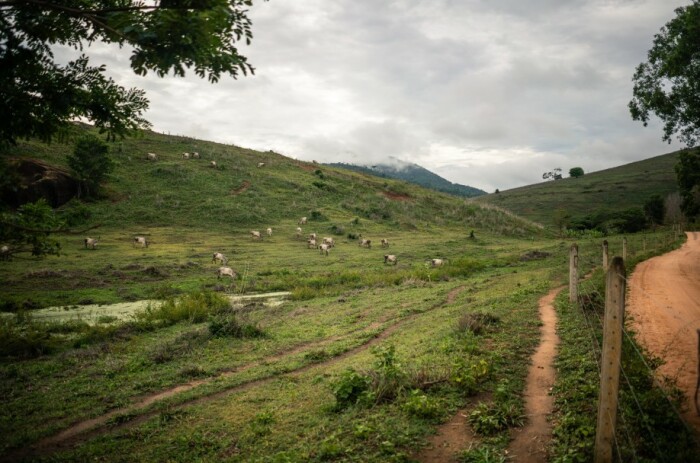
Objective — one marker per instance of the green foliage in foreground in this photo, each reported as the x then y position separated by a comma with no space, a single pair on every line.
90,163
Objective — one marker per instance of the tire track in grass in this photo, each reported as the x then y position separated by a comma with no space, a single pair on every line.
94,427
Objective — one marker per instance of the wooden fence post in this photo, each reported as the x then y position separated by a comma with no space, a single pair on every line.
697,385
624,248
610,362
605,255
573,273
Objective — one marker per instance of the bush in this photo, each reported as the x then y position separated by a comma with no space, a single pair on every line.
193,307
226,325
91,164
24,338
477,322
420,405
488,419
350,389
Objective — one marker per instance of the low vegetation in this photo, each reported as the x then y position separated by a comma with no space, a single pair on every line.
359,362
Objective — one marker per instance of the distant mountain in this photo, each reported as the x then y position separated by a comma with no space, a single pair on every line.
415,174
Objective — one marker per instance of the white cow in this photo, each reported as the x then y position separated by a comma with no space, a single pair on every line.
254,234
217,256
437,262
302,221
269,231
151,157
90,243
140,240
324,249
390,258
226,271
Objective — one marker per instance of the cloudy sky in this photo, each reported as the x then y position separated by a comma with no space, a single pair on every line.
487,93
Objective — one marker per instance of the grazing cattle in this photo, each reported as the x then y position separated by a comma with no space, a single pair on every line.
302,221
385,243
195,155
312,244
366,243
298,232
324,249
219,257
269,231
254,234
329,241
90,243
151,157
213,164
185,155
437,262
390,258
5,253
261,164
225,271
140,240
313,236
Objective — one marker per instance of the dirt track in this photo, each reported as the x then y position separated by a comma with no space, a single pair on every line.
664,304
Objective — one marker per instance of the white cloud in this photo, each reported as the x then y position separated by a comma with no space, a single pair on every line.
489,94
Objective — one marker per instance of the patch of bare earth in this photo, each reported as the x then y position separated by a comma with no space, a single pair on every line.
397,196
530,442
664,305
451,438
241,189
87,429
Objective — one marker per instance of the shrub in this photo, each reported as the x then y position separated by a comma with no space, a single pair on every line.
421,405
350,389
192,307
488,419
476,322
24,338
91,164
226,325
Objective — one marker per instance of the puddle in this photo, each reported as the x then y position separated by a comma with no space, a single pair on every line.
92,313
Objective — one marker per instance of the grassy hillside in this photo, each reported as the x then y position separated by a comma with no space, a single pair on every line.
189,210
604,192
362,362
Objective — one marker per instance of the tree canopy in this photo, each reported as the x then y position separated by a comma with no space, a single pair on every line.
668,83
576,172
39,97
688,175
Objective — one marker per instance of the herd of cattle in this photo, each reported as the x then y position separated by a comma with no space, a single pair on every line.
324,246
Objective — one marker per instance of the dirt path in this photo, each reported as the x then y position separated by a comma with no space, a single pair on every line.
530,442
664,304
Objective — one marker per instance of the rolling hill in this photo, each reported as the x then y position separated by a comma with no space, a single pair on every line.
606,192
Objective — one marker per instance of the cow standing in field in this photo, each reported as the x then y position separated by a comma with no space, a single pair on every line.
302,221
366,243
254,234
90,243
151,157
324,249
219,257
385,243
437,262
390,259
269,232
140,240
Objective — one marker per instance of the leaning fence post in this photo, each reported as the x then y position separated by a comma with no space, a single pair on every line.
610,362
573,273
624,248
605,255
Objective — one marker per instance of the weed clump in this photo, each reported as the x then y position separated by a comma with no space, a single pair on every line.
490,418
476,322
227,325
192,307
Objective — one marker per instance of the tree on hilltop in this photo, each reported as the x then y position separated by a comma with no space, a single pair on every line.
39,98
576,172
554,174
668,83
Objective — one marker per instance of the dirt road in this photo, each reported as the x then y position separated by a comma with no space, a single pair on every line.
664,304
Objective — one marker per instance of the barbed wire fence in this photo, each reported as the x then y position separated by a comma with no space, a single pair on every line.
632,437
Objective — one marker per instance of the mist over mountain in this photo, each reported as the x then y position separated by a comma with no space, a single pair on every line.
413,173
